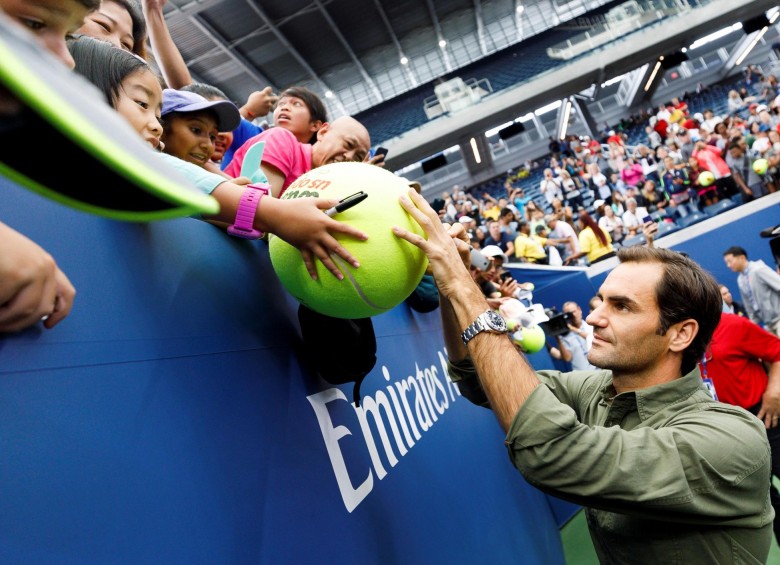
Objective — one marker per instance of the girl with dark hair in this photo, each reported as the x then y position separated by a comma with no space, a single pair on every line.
595,243
120,23
107,67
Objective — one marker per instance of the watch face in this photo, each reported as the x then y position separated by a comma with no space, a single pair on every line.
495,321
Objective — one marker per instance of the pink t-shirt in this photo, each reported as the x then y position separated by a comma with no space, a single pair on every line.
282,150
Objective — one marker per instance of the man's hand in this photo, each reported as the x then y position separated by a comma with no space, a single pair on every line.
770,408
32,287
770,402
444,252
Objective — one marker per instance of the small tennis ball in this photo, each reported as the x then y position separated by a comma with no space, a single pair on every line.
706,178
760,166
390,268
530,339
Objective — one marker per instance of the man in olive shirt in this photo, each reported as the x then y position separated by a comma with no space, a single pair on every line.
665,472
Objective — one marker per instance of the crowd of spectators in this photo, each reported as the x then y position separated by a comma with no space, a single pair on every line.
598,194
194,128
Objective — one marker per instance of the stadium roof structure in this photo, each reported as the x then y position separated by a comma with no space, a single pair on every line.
364,56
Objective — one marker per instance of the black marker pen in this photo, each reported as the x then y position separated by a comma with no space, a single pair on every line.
347,203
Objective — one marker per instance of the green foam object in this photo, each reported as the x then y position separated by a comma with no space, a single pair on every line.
62,140
390,268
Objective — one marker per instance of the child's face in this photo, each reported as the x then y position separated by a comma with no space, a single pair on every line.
52,21
191,137
140,102
112,23
292,114
223,142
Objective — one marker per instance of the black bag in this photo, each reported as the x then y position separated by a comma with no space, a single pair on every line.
342,351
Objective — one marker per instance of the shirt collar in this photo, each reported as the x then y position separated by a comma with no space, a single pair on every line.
652,400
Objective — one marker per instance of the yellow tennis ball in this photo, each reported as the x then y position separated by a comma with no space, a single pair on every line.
390,268
706,178
760,166
530,339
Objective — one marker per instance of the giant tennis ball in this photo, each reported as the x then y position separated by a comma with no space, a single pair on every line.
760,166
530,339
706,178
390,268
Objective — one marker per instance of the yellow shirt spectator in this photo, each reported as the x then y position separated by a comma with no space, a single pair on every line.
491,213
591,246
529,249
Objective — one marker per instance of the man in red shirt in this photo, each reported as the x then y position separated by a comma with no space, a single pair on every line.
735,362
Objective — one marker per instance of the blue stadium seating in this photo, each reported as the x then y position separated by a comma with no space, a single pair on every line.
509,67
665,228
632,241
719,207
691,219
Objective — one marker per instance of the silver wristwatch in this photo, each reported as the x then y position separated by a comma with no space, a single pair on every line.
486,322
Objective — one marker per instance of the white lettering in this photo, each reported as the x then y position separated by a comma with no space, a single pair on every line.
388,408
351,496
371,405
401,419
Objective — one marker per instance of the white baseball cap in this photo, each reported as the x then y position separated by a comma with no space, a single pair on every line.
494,251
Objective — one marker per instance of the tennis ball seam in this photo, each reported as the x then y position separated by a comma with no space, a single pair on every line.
343,267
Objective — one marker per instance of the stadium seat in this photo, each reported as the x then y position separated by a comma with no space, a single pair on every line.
691,219
635,240
665,228
720,207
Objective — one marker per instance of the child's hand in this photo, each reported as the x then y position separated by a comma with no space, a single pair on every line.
302,223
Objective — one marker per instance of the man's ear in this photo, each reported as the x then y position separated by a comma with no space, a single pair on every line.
322,131
316,125
682,334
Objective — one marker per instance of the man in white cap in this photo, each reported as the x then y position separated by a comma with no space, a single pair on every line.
495,253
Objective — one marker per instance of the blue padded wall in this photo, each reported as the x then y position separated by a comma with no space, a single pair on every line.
171,419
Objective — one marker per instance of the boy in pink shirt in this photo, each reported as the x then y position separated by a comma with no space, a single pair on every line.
285,158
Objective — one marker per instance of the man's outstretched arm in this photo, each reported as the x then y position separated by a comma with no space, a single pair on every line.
507,378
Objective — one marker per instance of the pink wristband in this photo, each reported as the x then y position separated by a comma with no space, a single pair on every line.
243,225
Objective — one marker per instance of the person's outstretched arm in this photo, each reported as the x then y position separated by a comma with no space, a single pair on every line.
506,377
32,287
168,56
301,222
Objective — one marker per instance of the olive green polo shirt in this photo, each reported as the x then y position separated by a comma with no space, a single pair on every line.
667,474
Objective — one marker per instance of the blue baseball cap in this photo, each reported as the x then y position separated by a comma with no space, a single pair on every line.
184,102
